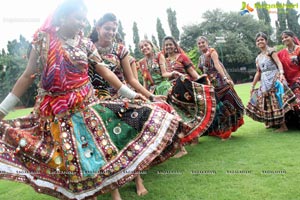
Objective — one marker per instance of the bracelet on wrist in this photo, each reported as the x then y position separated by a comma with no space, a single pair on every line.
281,71
151,97
225,78
127,92
9,103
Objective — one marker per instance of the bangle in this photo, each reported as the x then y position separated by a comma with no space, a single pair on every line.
281,71
9,103
225,78
127,92
151,97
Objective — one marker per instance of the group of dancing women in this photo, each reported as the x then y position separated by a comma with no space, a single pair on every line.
95,126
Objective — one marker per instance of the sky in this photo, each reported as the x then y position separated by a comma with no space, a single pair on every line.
24,17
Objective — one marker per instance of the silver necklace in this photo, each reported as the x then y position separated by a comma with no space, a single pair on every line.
104,50
291,50
73,42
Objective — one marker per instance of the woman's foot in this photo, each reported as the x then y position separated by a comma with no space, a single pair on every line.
225,139
282,128
140,188
181,153
195,141
268,126
115,195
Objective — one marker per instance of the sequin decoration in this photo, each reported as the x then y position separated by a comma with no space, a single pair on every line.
64,134
70,157
67,146
72,168
58,160
100,132
88,153
104,142
134,114
23,142
117,130
43,152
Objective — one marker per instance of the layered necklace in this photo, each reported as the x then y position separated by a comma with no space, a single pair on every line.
73,42
104,50
149,62
172,60
291,50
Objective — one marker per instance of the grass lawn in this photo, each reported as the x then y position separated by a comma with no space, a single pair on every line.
256,163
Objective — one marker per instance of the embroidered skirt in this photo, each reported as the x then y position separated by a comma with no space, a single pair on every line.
268,107
195,103
293,117
229,113
86,153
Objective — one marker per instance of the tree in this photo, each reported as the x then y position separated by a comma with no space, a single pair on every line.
136,39
280,23
263,13
130,50
160,32
239,33
173,23
154,41
121,31
146,37
13,64
292,19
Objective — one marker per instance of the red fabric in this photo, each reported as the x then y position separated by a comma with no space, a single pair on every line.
206,121
291,65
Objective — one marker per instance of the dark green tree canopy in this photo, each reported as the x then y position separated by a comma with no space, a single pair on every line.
136,39
238,31
172,21
160,32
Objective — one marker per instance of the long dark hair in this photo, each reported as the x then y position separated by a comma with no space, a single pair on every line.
108,17
178,49
292,35
261,34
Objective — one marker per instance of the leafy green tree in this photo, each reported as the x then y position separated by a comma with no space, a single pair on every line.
154,41
121,31
263,13
239,32
172,21
281,22
160,32
130,50
13,63
194,56
292,19
136,39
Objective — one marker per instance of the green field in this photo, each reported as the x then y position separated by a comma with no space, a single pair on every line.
256,163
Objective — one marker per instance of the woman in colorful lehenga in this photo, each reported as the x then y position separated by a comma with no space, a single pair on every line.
290,59
178,62
230,109
194,102
272,99
116,56
153,69
73,146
